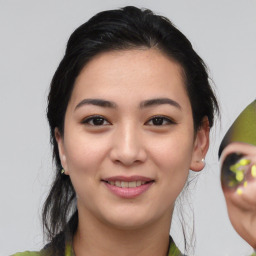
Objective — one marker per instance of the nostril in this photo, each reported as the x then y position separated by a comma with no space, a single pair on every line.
127,162
127,153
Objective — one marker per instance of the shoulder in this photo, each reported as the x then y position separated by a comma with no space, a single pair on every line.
27,253
173,249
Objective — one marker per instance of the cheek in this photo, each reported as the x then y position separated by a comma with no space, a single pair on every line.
85,158
173,169
173,158
85,153
173,151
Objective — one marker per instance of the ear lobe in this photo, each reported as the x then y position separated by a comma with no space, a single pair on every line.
59,139
201,146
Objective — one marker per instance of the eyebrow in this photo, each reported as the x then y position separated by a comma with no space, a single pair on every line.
159,101
96,102
144,104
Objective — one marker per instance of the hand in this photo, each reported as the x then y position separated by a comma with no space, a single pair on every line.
238,179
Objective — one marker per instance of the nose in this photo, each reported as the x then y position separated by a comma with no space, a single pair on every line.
127,146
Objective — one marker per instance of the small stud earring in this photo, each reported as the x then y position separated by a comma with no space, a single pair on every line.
202,161
62,171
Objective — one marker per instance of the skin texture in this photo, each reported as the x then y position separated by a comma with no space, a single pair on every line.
126,143
242,207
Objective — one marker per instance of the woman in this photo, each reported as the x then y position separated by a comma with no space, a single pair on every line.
130,109
238,173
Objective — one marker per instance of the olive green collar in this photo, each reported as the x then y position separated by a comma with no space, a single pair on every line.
173,249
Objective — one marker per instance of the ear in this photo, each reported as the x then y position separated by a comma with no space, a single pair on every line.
201,145
62,155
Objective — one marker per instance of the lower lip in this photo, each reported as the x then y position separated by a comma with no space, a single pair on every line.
129,192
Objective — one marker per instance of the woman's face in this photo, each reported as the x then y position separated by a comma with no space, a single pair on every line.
128,139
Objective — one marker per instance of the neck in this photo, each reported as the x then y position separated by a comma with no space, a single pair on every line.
95,238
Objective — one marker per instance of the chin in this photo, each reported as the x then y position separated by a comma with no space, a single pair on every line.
131,220
129,224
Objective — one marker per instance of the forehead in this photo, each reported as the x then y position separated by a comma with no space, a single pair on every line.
137,72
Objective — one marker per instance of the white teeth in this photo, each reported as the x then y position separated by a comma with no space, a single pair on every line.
138,183
126,184
132,184
117,183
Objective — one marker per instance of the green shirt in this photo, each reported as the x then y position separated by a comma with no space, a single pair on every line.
173,251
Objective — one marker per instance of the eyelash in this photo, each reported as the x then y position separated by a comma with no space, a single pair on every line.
165,121
103,121
91,119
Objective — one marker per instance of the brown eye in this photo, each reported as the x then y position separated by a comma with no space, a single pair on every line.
95,121
159,121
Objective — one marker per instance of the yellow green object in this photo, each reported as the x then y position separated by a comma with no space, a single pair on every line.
239,191
243,129
236,168
27,253
174,251
253,171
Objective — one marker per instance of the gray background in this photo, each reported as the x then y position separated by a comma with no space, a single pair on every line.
33,35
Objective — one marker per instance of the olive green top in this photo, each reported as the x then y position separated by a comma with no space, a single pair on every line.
173,251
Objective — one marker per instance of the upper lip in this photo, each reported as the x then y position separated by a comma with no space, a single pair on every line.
128,178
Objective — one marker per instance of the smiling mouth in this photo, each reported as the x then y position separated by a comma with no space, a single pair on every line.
128,184
128,187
